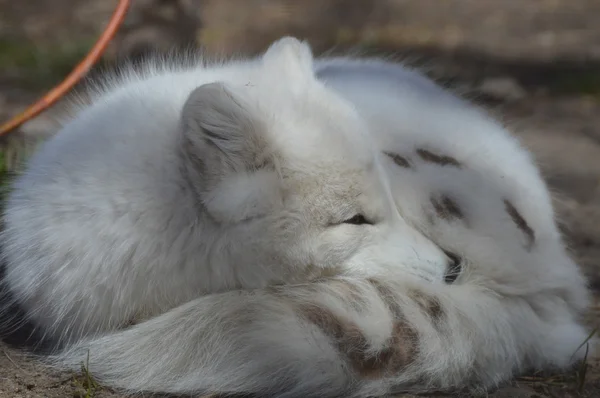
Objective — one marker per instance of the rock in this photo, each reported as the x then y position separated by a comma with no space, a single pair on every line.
504,88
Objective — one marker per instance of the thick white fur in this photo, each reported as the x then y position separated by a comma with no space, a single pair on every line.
181,197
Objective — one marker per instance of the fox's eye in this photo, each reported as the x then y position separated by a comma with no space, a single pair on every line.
358,219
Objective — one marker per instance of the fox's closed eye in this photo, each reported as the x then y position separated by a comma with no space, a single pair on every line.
358,219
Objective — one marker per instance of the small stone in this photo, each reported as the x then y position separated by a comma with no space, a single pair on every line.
504,88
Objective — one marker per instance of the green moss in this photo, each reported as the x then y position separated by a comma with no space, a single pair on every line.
14,152
582,82
4,179
39,67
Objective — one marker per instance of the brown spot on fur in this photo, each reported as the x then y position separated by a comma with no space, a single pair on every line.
405,343
520,223
347,337
446,208
442,160
274,289
388,296
403,347
262,162
399,160
349,293
326,320
430,305
399,352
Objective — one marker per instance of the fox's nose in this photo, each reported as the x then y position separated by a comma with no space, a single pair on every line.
453,268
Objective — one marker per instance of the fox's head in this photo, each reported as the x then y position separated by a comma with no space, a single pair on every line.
286,171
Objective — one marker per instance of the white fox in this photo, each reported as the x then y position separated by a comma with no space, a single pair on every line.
289,227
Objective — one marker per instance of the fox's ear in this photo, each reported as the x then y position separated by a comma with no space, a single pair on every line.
290,57
220,134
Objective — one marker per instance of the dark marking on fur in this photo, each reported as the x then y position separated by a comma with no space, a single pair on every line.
388,296
318,274
446,208
279,288
442,160
520,223
347,337
430,305
404,339
399,160
262,162
405,342
399,351
349,293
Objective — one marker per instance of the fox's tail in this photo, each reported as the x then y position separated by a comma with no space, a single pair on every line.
340,337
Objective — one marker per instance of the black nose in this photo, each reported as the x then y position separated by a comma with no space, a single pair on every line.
454,267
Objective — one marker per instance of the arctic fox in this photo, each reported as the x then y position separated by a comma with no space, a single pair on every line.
293,227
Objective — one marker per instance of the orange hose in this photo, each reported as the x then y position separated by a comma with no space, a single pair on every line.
80,70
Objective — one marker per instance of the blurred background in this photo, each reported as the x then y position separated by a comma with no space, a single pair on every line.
533,63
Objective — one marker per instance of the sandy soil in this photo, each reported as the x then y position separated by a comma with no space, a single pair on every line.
469,42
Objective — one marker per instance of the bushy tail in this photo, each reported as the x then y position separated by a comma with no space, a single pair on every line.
340,337
16,329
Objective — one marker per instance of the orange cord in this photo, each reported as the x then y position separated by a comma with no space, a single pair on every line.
80,70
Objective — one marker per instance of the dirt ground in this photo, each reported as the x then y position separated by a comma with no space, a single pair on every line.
535,64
